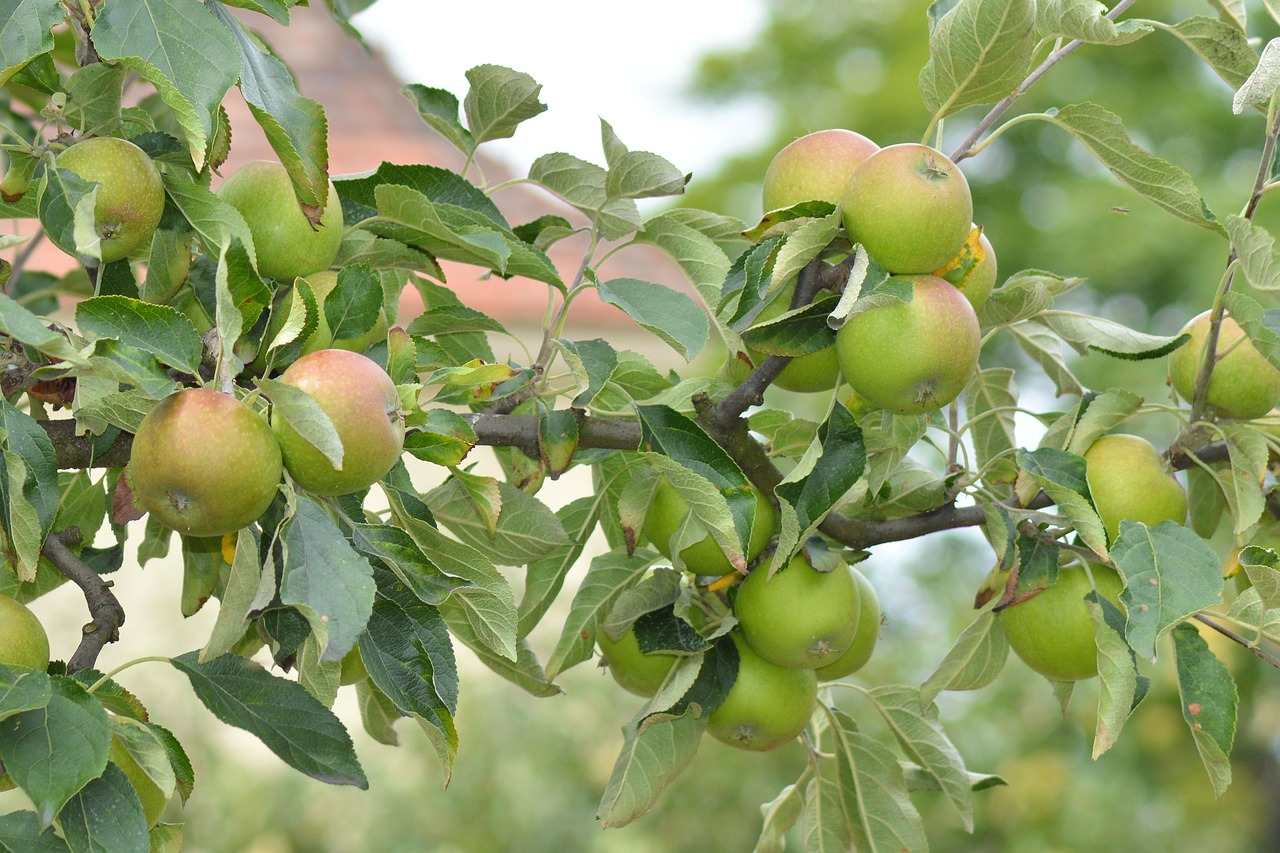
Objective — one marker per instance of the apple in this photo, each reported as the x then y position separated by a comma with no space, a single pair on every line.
815,371
864,640
23,641
203,463
909,206
286,243
130,198
912,357
667,513
975,281
1128,478
322,284
1053,632
635,671
767,706
816,166
361,400
1244,384
801,617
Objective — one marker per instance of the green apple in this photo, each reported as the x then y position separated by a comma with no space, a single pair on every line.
286,243
667,513
816,166
973,269
361,400
815,371
1244,384
23,641
912,357
909,206
1052,631
1128,478
130,198
864,641
767,706
635,671
203,463
801,617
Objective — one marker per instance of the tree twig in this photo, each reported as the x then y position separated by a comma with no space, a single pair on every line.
1236,638
106,614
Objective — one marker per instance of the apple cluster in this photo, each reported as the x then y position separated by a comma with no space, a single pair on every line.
800,627
910,208
206,464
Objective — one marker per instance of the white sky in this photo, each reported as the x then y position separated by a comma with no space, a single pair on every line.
594,60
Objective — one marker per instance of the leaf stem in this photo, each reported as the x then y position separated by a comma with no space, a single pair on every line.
122,667
1236,638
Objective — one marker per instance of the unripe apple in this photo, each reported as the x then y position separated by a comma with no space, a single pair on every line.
768,705
816,166
815,371
23,641
864,640
975,281
912,357
130,197
1128,479
203,463
361,400
909,206
1053,632
284,240
801,617
667,513
635,671
1244,384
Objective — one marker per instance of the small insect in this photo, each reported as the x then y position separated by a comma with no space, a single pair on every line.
1124,211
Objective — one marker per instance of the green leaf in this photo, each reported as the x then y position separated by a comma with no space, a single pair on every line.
545,577
780,815
1222,45
441,186
1045,349
803,245
105,816
158,329
915,726
1062,477
285,717
182,50
1255,247
1262,567
1086,333
302,412
1021,297
215,222
93,97
669,314
445,439
525,671
591,362
1209,703
22,690
1100,413
828,823
325,579
989,402
1122,686
699,257
53,751
979,51
295,127
499,100
25,32
1261,85
638,174
582,185
875,793
655,750
277,9
242,589
29,491
25,327
1084,20
439,109
1241,480
21,832
1169,572
607,576
973,662
525,528
1157,180
446,232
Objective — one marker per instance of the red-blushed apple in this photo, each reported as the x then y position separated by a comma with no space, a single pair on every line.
203,463
1128,478
909,206
912,357
361,401
1244,384
284,240
130,197
816,166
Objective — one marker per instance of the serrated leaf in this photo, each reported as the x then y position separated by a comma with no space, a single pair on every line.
607,576
582,185
1222,45
1157,180
875,793
671,315
1101,413
803,245
979,51
1086,333
439,109
304,414
1045,349
22,690
21,832
525,529
29,491
989,402
1255,247
655,750
105,816
1062,477
780,815
974,660
158,329
1021,297
1262,567
592,362
1209,703
1084,20
236,601
1169,572
26,33
214,220
498,101
25,327
638,174
285,717
702,260
1260,87
1122,687
545,578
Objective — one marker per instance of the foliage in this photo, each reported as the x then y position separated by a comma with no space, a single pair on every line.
401,576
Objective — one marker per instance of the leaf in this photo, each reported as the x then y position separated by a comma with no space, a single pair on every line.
803,245
296,407
699,257
1084,20
525,671
1157,180
158,329
1169,572
1241,481
638,174
672,316
55,750
439,109
973,662
526,529
21,832
1122,686
25,327
979,51
608,575
182,50
828,824
1255,247
393,547
915,726
592,362
22,690
1098,415
1062,477
1262,567
1021,297
655,750
25,33
780,815
237,598
875,793
498,101
1223,46
582,185
989,402
1209,703
1260,87
105,816
285,717
1045,348
546,577
215,221
29,491
1086,333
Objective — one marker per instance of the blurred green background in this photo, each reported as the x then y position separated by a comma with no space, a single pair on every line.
530,772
